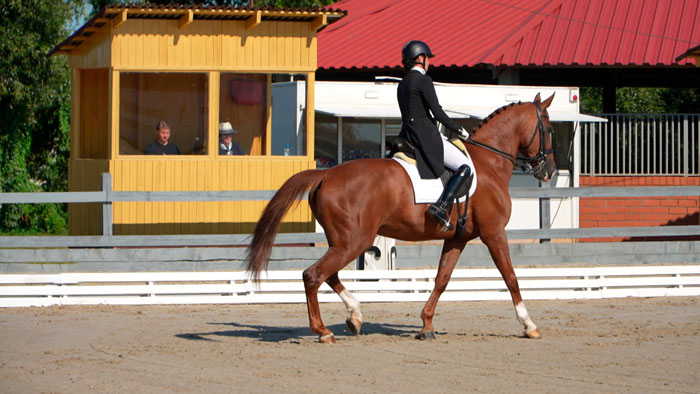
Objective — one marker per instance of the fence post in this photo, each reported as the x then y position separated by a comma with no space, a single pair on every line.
686,146
106,180
545,222
591,145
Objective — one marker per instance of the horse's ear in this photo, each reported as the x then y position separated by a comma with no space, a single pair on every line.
537,98
548,102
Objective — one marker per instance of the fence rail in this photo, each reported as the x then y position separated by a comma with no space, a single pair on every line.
367,286
108,269
107,197
631,144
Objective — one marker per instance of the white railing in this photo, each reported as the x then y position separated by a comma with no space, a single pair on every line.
367,286
640,144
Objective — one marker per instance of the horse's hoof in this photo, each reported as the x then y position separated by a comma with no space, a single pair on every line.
328,338
425,335
534,334
354,325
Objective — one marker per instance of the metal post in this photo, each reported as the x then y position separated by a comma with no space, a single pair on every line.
382,140
106,179
545,221
592,148
340,140
686,146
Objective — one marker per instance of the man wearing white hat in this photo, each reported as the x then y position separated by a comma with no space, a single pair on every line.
227,146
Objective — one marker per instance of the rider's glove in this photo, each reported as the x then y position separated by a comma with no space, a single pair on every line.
463,133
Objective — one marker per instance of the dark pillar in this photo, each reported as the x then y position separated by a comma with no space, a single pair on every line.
609,104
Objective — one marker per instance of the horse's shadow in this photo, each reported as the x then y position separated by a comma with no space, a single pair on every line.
283,334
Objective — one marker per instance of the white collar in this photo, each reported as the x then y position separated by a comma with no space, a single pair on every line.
419,69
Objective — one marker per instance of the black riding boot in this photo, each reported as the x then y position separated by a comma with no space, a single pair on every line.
439,209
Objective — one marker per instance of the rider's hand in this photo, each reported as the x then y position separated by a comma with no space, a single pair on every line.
463,133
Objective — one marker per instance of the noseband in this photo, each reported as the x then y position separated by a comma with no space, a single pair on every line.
539,158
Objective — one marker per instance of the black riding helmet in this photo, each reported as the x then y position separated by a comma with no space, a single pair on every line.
412,49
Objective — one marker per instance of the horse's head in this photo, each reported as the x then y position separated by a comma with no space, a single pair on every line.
536,141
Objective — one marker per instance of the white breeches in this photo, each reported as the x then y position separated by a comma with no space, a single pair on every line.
454,158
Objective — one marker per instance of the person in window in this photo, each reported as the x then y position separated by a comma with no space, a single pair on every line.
161,146
227,146
420,109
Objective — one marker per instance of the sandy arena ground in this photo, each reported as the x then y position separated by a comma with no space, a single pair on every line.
604,346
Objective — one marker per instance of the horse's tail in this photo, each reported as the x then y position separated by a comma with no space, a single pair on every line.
258,254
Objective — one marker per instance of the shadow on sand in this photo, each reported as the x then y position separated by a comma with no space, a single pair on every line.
283,334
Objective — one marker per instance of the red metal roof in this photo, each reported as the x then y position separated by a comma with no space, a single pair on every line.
513,32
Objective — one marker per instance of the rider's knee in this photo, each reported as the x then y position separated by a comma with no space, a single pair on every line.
465,170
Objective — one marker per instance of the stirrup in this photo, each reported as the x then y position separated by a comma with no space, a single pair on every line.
440,214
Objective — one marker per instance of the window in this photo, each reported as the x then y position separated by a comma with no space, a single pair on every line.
243,104
362,138
94,114
562,143
393,128
179,99
288,109
326,141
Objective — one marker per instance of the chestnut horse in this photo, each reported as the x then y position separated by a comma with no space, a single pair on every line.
351,220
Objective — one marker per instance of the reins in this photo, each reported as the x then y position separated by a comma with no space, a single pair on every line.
519,158
494,150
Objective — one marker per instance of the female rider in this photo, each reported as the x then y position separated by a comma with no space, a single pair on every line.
419,110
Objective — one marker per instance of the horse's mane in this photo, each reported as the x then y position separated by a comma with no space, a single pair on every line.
494,113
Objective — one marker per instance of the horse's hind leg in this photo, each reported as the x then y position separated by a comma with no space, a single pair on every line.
333,261
498,248
451,251
354,320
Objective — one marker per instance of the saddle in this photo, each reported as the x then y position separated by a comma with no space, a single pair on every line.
405,151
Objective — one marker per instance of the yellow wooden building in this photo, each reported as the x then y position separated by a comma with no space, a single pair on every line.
193,67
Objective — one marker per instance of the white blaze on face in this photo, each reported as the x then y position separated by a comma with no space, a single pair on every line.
351,303
524,318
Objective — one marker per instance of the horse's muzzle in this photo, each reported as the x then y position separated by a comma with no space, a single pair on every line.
545,171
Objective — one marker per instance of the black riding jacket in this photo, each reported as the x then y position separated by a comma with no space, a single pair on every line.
419,109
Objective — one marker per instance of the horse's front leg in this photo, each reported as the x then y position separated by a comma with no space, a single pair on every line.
451,251
498,248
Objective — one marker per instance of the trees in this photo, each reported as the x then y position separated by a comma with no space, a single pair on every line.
34,110
97,4
643,100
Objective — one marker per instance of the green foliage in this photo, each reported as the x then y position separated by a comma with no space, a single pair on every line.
98,4
591,100
643,100
34,96
682,101
292,3
639,100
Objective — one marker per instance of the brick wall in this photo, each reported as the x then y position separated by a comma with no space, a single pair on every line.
637,211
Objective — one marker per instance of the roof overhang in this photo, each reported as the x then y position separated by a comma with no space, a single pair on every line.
393,112
693,53
117,14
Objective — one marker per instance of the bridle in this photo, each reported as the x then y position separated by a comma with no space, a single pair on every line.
539,158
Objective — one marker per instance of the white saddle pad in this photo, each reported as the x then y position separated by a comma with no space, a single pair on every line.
429,190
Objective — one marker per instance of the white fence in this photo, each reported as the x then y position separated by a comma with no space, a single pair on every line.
368,286
203,275
635,144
